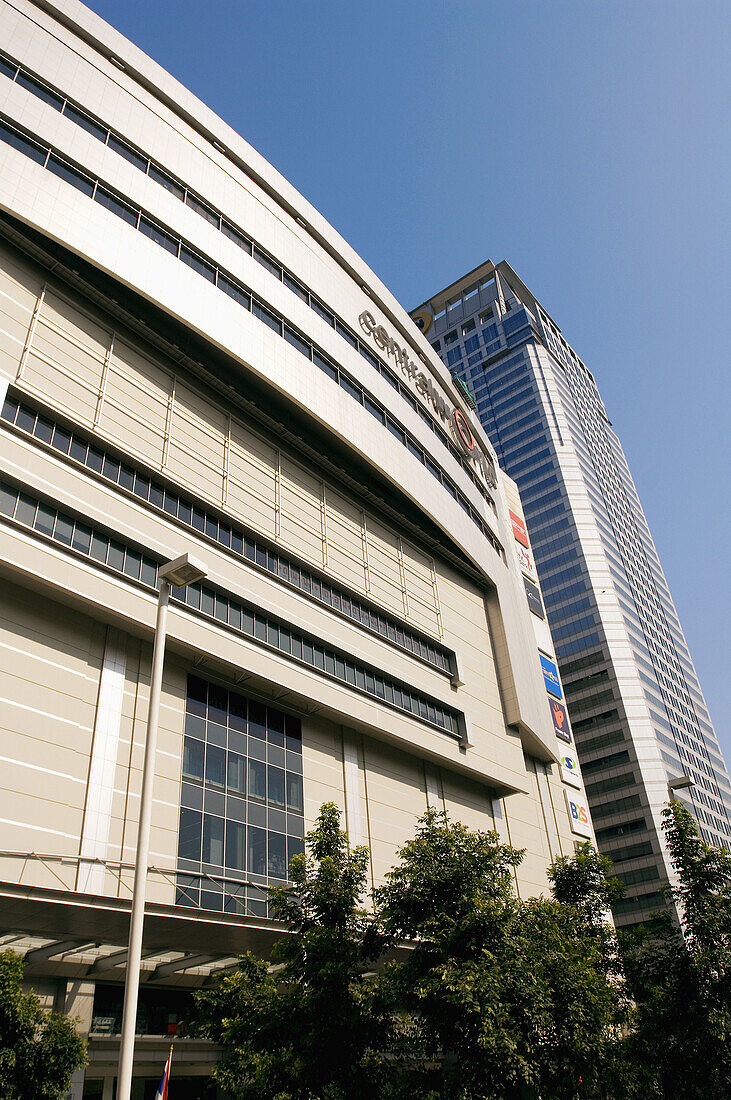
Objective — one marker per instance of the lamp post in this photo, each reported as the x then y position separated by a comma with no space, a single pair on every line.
679,784
179,573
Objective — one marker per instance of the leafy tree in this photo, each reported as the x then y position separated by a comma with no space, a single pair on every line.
39,1050
309,1027
499,998
681,976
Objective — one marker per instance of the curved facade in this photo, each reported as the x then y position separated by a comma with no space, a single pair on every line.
193,360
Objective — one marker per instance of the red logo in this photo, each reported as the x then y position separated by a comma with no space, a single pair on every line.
464,432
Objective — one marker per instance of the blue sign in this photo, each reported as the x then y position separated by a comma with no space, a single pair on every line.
550,676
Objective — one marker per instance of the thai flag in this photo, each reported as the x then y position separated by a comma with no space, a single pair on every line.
162,1088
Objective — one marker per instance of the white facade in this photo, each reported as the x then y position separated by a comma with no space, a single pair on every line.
191,359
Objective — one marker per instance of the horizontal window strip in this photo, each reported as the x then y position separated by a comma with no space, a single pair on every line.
147,165
138,219
102,547
242,542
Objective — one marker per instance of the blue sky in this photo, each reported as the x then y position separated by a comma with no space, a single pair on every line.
585,142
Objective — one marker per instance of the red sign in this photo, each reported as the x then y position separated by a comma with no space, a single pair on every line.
519,528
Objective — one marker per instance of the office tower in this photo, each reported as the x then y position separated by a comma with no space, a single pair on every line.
635,704
193,360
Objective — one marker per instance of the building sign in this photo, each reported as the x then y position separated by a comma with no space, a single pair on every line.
570,768
525,561
424,386
579,814
560,720
423,320
534,598
519,529
550,676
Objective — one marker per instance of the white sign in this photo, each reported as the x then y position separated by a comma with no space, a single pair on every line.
570,767
525,560
578,814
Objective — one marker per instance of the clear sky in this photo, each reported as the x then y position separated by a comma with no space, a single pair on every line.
586,142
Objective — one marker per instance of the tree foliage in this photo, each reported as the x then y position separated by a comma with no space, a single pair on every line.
39,1050
681,977
484,996
309,1026
502,997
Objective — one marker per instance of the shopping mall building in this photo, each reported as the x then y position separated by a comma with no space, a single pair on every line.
193,361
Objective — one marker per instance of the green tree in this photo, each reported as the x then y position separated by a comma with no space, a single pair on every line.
308,1027
499,998
680,977
39,1050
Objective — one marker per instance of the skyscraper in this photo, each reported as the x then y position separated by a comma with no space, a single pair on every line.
637,710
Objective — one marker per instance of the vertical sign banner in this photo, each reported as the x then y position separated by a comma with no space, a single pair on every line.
550,676
533,593
519,529
578,814
525,561
570,768
560,720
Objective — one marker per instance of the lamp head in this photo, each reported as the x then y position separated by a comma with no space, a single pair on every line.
182,571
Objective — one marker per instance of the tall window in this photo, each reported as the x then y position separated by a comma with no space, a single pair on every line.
241,807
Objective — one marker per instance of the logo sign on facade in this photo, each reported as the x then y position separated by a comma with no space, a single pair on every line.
424,386
570,768
519,529
560,720
423,320
578,814
550,676
525,561
534,598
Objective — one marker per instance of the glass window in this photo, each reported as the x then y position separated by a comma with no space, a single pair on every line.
61,439
45,519
215,766
39,90
193,751
212,840
256,855
192,259
351,387
234,235
325,365
122,209
265,261
266,316
166,181
82,538
8,498
297,341
236,772
296,288
277,862
235,845
7,68
276,786
189,836
23,144
203,209
159,236
71,175
257,780
294,792
322,311
234,291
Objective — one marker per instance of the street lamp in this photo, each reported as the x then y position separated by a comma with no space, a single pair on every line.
179,573
679,784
